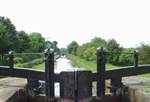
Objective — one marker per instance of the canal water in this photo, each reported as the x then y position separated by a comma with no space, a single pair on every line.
62,64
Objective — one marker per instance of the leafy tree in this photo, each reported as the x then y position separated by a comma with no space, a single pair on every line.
87,51
19,41
114,48
72,47
144,51
4,40
23,41
126,59
99,42
37,42
81,49
8,37
90,54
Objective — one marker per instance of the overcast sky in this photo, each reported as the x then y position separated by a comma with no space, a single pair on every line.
127,21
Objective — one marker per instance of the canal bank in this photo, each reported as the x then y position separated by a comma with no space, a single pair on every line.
11,89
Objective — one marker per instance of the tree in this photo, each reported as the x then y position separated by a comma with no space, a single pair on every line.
87,51
37,42
72,47
99,42
126,59
115,50
90,54
4,40
8,38
23,41
144,51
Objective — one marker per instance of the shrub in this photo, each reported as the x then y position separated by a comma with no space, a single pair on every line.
30,64
18,60
144,51
126,59
27,57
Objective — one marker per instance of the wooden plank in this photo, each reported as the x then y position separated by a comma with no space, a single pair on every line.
136,59
76,85
124,72
100,73
84,85
25,73
32,87
67,85
49,75
34,74
11,59
128,71
22,73
116,83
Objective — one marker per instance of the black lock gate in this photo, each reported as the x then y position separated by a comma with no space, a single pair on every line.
75,85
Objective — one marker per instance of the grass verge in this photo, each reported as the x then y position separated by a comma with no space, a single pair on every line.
146,75
35,64
89,65
39,66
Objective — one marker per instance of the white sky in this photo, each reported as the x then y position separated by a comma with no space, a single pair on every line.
128,21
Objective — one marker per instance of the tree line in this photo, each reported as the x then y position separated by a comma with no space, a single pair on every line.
20,41
116,55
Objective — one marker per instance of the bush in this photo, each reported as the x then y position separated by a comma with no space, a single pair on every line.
72,47
26,58
4,60
18,60
87,51
144,51
31,63
114,48
126,59
90,54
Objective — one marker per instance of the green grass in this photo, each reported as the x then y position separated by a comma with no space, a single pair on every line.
89,65
39,66
146,75
34,64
